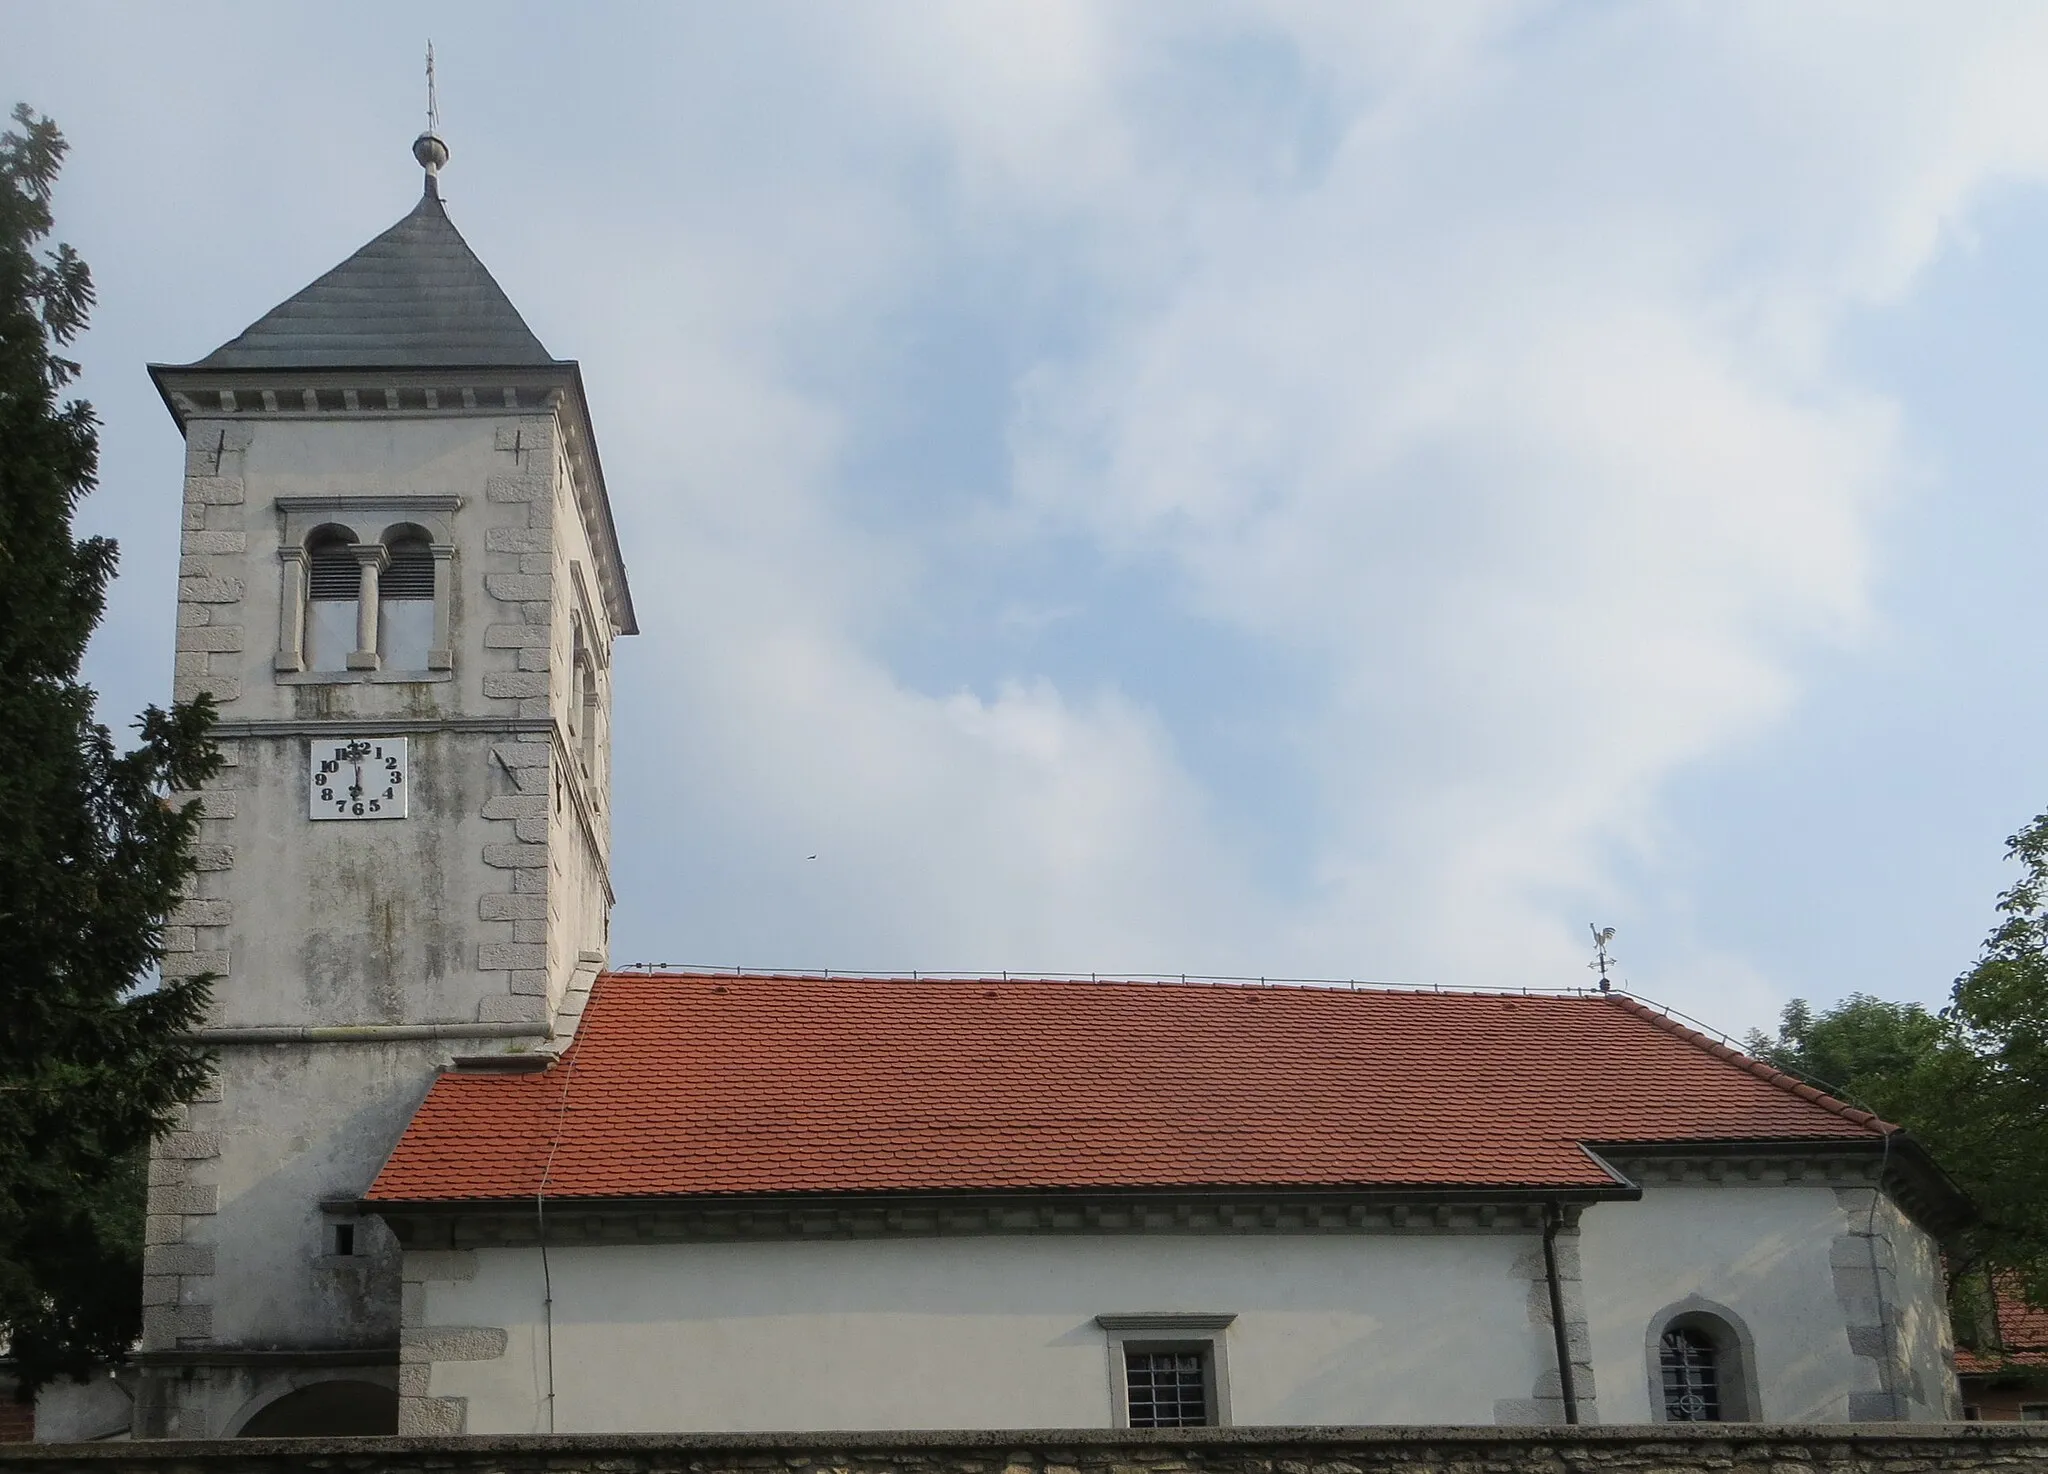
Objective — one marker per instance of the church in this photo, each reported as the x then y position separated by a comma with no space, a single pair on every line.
456,1174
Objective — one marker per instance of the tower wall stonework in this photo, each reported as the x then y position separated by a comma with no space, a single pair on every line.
354,959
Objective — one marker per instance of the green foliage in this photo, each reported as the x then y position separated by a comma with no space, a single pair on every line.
1857,1049
94,854
2000,1009
1970,1083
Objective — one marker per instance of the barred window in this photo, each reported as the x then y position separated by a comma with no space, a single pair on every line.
1692,1376
1167,1389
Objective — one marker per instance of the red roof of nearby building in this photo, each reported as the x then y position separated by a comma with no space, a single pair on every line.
687,1085
2021,1334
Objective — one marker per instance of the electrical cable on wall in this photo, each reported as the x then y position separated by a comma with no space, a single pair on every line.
540,1220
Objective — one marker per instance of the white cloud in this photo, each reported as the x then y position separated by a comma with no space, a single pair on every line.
1508,402
1476,362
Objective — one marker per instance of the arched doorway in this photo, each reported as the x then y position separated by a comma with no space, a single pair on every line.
327,1410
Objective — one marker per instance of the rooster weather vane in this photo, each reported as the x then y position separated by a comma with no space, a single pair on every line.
1602,962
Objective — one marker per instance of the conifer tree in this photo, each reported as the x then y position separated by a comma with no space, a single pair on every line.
95,850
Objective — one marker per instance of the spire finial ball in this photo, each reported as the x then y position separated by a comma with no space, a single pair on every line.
430,151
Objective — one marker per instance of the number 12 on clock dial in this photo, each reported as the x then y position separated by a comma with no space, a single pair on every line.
359,778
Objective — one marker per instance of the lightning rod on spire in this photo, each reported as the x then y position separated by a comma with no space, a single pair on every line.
428,148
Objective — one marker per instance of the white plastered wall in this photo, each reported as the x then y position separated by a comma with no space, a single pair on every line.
999,1332
1789,1260
987,1332
1923,1337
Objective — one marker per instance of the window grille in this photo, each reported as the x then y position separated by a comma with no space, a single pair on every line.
334,572
1692,1382
410,573
1167,1389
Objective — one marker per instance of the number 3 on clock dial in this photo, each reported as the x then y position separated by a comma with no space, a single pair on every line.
357,778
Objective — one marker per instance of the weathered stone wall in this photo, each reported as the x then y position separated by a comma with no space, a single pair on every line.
354,959
1957,1448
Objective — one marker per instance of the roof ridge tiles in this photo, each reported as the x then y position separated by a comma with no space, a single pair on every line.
1762,1069
1191,981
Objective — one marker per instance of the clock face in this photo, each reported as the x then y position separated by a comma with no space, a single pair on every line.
359,778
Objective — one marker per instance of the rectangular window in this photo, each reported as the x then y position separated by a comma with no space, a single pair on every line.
2034,1412
1168,1369
1167,1389
344,1238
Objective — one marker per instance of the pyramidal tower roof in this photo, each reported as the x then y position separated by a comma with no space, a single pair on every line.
415,297
398,327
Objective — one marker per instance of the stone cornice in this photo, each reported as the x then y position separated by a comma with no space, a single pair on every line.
229,1356
1896,1162
373,726
670,1220
352,501
193,393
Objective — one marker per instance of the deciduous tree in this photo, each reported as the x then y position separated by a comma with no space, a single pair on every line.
1971,1083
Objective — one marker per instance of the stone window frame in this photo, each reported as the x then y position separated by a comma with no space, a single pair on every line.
1169,1331
589,657
1734,1357
299,518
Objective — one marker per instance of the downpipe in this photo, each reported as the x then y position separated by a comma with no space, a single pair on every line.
1553,1220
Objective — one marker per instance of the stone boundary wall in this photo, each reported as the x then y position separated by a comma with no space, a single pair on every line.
1663,1449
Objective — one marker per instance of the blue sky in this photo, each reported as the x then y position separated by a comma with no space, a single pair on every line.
1288,489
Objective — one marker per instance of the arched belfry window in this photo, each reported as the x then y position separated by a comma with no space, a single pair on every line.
334,580
1701,1366
1691,1366
356,610
405,595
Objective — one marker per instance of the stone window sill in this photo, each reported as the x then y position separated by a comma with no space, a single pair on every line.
360,677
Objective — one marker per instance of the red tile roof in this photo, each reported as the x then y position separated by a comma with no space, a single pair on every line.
689,1084
2022,1339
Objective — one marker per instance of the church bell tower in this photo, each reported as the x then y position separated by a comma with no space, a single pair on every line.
399,578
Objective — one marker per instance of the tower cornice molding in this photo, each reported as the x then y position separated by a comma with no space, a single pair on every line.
194,393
